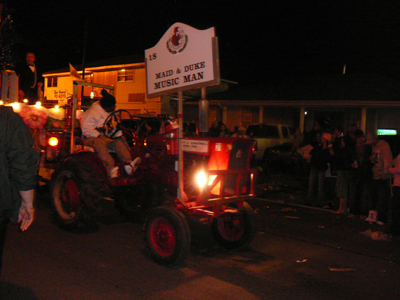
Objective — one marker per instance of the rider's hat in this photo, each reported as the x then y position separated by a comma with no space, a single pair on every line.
107,100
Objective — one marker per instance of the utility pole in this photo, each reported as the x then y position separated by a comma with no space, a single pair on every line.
84,53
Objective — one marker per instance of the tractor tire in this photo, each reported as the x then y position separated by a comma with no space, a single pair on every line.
166,236
75,196
235,231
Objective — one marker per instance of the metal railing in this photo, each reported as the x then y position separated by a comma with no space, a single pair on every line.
75,105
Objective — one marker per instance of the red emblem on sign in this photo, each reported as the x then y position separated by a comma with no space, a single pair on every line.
177,41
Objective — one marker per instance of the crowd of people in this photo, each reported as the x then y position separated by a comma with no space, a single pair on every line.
367,176
219,129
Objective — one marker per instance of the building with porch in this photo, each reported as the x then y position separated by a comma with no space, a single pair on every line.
242,106
126,74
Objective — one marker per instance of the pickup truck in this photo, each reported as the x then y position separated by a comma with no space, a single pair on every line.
268,135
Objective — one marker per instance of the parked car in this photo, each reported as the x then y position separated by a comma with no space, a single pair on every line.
269,136
280,158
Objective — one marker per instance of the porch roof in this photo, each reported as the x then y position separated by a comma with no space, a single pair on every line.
303,103
111,64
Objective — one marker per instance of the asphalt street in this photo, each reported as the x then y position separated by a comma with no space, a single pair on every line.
298,253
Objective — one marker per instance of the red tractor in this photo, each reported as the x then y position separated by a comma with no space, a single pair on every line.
217,181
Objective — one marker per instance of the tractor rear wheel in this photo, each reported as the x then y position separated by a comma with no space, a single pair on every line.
235,231
75,195
166,236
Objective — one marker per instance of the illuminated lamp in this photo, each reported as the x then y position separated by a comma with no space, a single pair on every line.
38,104
92,95
1,102
15,105
201,179
25,100
53,141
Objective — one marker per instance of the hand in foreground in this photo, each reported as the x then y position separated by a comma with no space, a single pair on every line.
26,216
26,211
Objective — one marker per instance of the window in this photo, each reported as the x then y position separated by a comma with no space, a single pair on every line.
125,75
263,131
272,132
137,97
292,130
52,82
285,132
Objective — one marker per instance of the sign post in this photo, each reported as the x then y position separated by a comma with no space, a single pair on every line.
185,58
180,148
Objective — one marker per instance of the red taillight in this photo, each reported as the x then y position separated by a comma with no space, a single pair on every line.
255,145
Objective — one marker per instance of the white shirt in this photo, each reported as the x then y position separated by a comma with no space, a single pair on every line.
92,118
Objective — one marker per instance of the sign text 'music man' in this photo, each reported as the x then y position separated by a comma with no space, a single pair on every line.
176,81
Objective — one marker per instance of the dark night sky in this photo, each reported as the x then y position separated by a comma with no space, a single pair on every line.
259,41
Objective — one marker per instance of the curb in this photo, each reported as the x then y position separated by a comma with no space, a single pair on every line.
293,204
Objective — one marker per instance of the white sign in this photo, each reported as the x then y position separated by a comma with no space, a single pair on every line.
60,95
196,146
185,58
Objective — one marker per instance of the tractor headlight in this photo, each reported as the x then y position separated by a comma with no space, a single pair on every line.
201,179
53,146
53,141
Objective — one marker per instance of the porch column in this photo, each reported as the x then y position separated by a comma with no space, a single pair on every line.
224,114
4,86
302,118
14,87
203,113
363,124
261,115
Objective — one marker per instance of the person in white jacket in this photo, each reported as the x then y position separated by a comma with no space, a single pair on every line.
94,118
382,159
395,170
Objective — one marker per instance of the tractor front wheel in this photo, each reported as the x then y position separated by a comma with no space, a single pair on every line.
167,236
235,230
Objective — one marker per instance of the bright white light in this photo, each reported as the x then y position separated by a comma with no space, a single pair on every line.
1,102
53,141
56,107
201,179
15,105
211,179
25,100
38,104
305,112
91,95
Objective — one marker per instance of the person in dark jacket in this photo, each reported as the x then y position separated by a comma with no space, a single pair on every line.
320,156
18,169
214,130
223,131
30,79
343,157
360,177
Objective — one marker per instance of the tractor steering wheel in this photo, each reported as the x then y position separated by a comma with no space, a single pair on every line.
112,124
